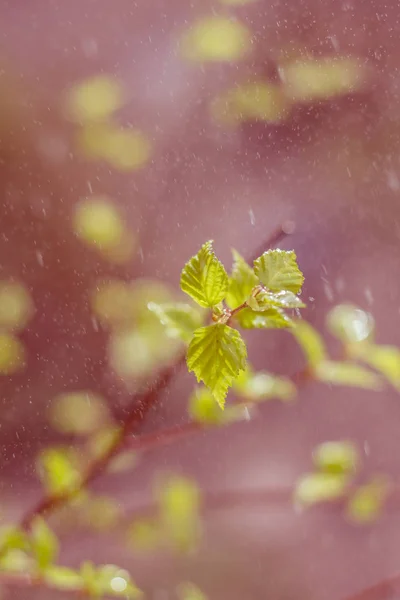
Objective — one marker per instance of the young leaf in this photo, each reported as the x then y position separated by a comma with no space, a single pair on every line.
366,503
241,281
57,471
313,488
179,501
180,320
216,355
203,408
310,341
16,561
204,278
63,578
44,543
278,270
144,535
114,581
13,538
349,374
188,591
273,318
385,359
263,386
350,324
336,457
266,300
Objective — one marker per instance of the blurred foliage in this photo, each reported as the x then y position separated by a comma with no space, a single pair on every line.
176,519
215,39
79,412
59,470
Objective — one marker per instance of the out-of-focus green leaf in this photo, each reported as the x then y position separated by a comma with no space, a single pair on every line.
180,320
44,543
57,470
189,591
241,281
216,355
278,270
144,534
310,342
385,359
102,441
203,407
63,578
365,505
204,278
13,538
263,386
100,513
348,374
350,324
16,561
79,412
313,488
179,501
266,300
273,318
336,457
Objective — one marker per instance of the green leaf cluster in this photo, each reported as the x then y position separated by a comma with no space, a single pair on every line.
35,551
252,297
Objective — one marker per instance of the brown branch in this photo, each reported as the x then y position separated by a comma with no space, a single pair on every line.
141,406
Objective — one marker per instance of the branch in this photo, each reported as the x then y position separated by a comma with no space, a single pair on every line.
140,407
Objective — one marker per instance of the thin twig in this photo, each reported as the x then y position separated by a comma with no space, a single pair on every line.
141,406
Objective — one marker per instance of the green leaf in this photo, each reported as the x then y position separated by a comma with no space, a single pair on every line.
13,538
63,578
58,471
348,374
108,580
188,591
44,543
350,324
180,320
144,535
203,407
365,505
310,342
278,270
385,359
179,502
272,318
265,300
204,278
16,561
313,488
263,386
336,457
241,282
216,355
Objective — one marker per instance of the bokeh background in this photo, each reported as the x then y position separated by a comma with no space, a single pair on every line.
327,159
